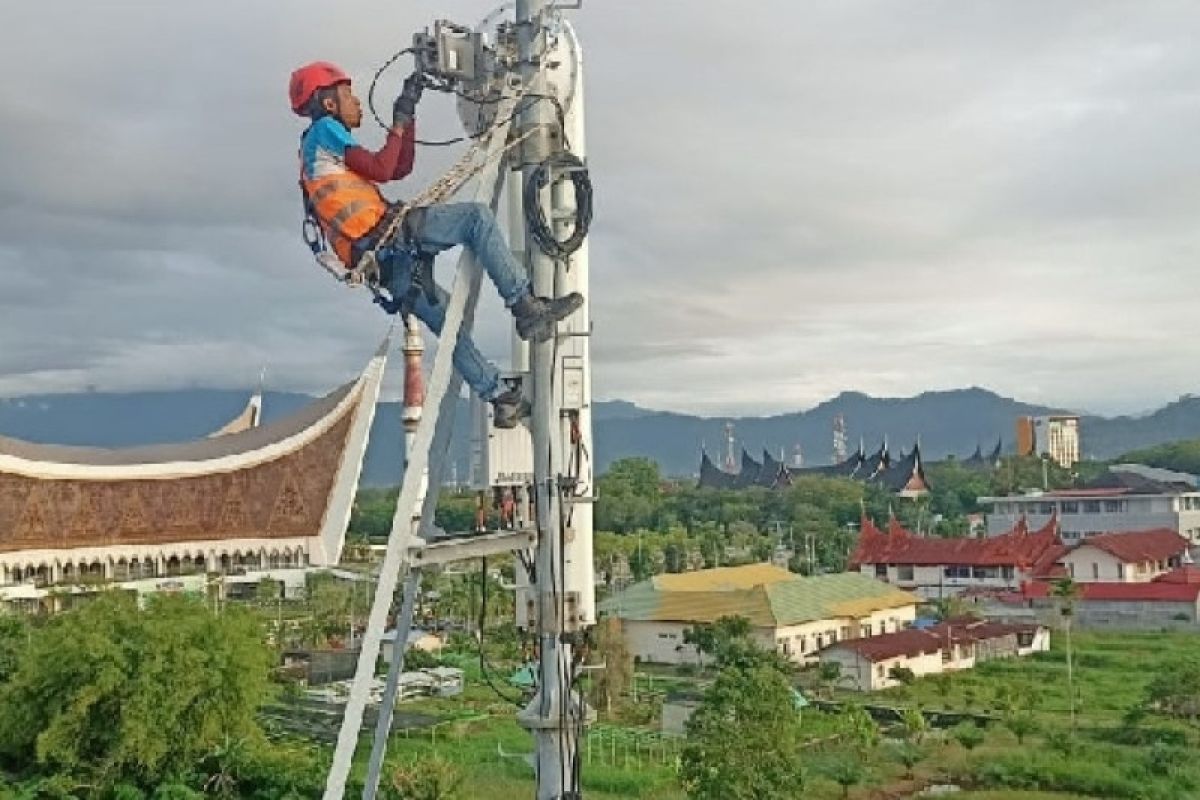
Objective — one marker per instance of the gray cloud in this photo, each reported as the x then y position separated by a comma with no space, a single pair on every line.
793,200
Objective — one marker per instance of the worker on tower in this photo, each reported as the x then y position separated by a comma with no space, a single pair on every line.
339,181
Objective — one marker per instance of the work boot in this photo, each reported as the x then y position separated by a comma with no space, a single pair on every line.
537,316
509,409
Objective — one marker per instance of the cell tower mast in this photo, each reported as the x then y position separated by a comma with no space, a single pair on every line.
537,148
731,463
839,439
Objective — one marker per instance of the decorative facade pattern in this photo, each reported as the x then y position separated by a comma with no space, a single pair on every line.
281,498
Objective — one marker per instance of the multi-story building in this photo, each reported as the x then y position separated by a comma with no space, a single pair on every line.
796,616
1054,435
933,567
1128,498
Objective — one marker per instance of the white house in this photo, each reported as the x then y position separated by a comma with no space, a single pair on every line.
795,615
1132,557
868,664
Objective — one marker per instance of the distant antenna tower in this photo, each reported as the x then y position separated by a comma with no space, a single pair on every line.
731,463
839,439
797,456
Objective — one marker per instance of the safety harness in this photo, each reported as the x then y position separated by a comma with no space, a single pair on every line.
403,221
365,269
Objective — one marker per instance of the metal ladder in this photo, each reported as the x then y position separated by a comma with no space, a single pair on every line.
408,549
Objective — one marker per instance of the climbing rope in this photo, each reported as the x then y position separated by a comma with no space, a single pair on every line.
452,181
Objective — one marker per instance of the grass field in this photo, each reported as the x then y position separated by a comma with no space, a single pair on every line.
1111,674
1105,759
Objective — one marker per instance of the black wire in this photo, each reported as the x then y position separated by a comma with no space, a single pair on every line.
378,73
448,88
536,223
483,665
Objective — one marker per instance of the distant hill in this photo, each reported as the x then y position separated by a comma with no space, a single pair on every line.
947,422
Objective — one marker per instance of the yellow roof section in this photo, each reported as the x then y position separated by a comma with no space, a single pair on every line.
869,605
722,579
709,607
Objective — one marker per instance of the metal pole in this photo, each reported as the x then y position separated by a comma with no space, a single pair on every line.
551,716
383,725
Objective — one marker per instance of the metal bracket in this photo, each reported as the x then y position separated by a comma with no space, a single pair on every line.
481,545
570,623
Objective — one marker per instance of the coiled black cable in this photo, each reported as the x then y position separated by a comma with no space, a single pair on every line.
539,227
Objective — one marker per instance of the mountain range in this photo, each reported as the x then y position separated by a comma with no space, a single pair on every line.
945,422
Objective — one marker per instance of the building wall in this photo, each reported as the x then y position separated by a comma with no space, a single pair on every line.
1126,615
933,583
90,564
1040,643
658,642
1080,517
1090,564
865,676
675,714
662,642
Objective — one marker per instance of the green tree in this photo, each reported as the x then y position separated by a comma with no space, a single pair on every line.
372,513
727,641
968,734
108,694
1021,724
457,511
610,684
629,496
908,754
14,635
942,684
950,607
329,602
1182,456
828,675
846,770
914,725
1175,689
858,729
743,743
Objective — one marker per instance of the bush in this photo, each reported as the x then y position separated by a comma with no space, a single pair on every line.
1097,777
968,734
428,778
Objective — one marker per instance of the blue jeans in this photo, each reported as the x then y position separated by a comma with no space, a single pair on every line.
473,226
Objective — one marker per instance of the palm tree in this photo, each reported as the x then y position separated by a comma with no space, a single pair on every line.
1065,591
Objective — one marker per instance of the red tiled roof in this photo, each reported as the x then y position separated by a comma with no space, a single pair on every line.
1019,547
912,642
1047,565
1153,592
1158,544
1187,574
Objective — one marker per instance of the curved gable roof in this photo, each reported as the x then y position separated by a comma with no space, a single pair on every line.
198,450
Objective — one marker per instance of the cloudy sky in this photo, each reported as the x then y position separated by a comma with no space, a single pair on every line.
793,198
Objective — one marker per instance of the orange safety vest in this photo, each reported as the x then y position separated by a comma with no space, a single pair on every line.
346,206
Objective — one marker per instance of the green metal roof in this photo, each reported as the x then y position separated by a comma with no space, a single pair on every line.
776,603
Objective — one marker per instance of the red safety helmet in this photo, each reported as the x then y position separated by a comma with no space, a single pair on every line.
310,78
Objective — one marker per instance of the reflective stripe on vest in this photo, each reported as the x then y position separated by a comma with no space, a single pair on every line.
347,206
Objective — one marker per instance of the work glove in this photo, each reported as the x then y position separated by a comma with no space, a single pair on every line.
405,106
